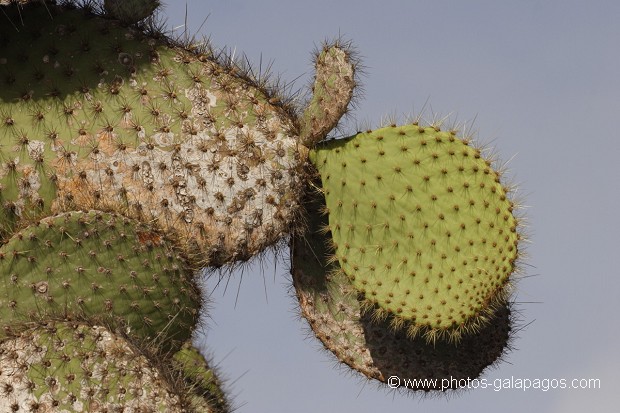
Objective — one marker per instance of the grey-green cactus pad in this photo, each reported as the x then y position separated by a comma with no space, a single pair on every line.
94,115
333,310
103,267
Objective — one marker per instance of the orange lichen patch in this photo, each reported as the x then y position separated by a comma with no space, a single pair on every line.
107,142
76,190
152,238
83,140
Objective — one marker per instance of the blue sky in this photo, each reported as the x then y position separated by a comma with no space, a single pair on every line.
541,79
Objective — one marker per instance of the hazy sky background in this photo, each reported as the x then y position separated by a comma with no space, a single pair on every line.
542,80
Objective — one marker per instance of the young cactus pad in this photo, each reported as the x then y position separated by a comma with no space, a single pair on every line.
421,225
330,304
206,388
101,267
334,85
71,367
94,115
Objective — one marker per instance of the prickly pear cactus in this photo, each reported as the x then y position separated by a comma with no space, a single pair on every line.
409,270
129,161
200,376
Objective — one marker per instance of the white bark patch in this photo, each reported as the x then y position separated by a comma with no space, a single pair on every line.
35,149
230,189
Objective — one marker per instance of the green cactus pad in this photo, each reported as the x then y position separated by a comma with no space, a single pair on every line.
70,367
421,226
94,115
100,267
331,306
206,388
